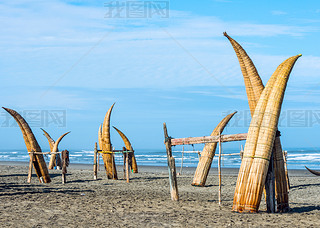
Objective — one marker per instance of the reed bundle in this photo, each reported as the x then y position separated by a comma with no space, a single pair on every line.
254,88
55,158
105,145
39,163
260,140
128,147
207,154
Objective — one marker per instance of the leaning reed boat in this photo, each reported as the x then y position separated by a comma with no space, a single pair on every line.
32,145
106,146
254,88
128,147
260,140
207,154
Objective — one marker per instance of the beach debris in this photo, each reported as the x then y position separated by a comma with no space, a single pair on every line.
254,88
207,154
317,173
55,159
128,147
106,147
32,145
260,140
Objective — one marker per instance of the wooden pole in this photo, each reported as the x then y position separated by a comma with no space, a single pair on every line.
171,166
127,167
30,167
98,161
219,168
180,173
208,139
124,164
95,165
63,178
270,187
286,168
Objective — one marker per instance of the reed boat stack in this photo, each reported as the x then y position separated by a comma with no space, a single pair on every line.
263,166
254,89
108,152
55,160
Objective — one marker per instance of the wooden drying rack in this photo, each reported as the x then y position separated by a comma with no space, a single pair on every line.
169,142
32,153
125,153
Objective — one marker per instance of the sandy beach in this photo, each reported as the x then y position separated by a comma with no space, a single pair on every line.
144,202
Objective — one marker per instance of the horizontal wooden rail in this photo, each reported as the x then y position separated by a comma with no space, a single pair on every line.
208,139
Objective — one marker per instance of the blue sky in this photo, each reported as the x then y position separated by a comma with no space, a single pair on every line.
67,55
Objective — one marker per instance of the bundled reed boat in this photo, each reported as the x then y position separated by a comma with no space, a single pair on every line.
55,159
254,88
106,147
260,140
32,145
128,146
317,173
207,154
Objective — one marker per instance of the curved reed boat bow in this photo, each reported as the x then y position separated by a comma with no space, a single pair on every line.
207,154
317,173
54,148
260,140
130,148
254,88
32,145
106,147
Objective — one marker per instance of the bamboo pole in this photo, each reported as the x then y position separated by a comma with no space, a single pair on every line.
95,166
127,167
30,167
171,166
219,168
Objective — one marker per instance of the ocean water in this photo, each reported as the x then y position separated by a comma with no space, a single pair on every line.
296,159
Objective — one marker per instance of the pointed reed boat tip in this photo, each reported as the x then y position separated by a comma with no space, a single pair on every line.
313,171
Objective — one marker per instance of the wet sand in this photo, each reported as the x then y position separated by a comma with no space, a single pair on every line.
144,202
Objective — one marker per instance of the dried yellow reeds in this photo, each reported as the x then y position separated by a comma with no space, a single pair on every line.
252,80
54,148
130,148
39,163
207,154
108,158
260,139
254,88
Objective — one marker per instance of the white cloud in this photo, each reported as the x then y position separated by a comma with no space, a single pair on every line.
278,12
84,49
